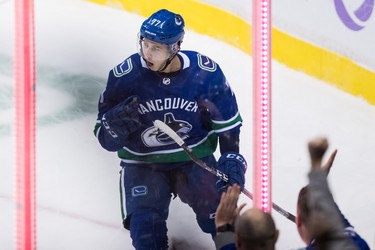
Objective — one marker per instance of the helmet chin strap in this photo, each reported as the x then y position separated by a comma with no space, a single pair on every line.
167,62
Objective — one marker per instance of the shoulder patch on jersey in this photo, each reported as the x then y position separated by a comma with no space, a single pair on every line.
186,60
124,68
206,63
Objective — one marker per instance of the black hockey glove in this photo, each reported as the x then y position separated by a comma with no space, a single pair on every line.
122,119
234,165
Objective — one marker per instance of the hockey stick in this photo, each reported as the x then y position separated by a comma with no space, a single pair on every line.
172,134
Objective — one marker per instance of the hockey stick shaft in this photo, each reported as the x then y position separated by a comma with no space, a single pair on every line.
172,134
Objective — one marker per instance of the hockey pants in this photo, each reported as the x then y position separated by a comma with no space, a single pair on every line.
146,192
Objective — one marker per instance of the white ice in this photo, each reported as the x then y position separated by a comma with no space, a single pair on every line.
77,43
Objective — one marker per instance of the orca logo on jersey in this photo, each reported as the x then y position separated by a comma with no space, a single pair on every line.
153,137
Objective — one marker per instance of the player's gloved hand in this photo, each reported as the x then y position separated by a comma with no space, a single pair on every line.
122,119
234,166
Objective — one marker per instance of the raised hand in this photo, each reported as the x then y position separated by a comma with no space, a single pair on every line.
227,211
317,148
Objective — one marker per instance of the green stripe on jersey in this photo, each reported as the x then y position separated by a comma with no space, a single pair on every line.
206,148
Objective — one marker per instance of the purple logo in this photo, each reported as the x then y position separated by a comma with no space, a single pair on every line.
361,15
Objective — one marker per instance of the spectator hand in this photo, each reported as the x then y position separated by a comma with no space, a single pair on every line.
123,119
227,211
317,148
234,166
327,166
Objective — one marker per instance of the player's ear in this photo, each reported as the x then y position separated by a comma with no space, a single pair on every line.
176,47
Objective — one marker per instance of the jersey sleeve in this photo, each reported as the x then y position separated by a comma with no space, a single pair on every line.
117,89
221,103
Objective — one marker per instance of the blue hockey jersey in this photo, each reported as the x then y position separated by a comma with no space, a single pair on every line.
196,102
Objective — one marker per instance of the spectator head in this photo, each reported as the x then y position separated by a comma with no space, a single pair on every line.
255,230
303,213
310,226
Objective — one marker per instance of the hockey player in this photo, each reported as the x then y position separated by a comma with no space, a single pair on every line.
189,92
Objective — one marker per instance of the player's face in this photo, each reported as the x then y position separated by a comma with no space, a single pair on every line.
155,53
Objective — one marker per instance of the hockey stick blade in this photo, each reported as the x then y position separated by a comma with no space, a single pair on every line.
174,136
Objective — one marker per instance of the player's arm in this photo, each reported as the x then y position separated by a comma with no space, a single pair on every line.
226,122
229,141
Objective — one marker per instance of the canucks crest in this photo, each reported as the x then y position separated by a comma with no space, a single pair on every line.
153,137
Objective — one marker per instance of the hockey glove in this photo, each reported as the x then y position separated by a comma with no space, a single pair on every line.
123,119
234,166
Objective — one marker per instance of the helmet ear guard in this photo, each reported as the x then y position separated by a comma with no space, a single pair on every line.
175,47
